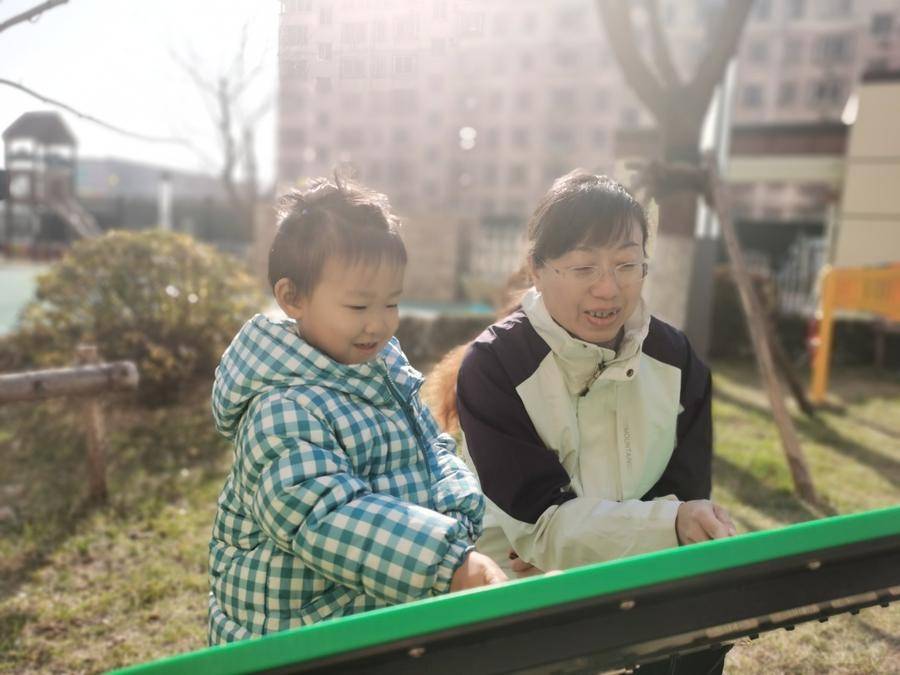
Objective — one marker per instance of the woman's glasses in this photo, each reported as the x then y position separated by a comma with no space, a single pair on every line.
625,274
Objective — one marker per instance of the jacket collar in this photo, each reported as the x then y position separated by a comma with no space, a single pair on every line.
584,362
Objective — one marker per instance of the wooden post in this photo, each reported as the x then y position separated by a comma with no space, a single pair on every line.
95,431
756,323
826,333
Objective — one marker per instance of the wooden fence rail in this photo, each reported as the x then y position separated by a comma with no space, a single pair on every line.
89,380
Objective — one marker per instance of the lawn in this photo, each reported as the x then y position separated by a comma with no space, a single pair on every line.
86,589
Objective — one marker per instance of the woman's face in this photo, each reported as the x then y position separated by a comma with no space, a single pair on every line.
590,304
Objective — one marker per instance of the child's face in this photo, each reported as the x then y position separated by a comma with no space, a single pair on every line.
352,312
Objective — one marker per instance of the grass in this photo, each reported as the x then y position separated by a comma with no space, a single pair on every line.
86,589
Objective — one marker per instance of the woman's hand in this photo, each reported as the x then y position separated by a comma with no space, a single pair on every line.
477,570
522,568
701,520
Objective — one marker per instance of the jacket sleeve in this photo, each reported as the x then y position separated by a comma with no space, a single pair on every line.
454,489
689,472
529,491
307,499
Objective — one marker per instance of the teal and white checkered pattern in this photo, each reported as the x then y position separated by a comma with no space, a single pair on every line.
344,496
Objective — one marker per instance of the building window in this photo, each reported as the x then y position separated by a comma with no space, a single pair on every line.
325,51
295,69
520,137
518,174
400,136
787,94
571,20
325,16
378,65
293,136
796,9
323,85
529,23
500,24
379,31
566,58
491,137
630,118
351,137
439,9
561,138
353,68
523,100
758,52
834,9
793,52
296,6
882,25
353,33
563,98
404,65
828,92
404,101
295,36
406,28
877,66
490,174
762,10
752,96
834,49
438,45
471,24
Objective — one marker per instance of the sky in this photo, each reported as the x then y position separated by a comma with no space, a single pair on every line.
113,59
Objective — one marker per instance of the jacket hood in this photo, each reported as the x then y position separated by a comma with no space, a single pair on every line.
269,354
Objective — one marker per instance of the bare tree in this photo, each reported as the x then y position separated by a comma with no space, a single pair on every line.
678,106
32,14
227,95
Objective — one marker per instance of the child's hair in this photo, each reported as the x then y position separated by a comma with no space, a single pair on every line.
332,218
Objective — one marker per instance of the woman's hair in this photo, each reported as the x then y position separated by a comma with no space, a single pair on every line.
582,209
332,218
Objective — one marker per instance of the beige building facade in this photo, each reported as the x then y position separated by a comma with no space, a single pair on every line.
463,111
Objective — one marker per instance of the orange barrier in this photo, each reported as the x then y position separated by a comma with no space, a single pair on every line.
875,290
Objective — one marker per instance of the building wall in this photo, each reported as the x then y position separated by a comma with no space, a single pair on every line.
469,109
869,221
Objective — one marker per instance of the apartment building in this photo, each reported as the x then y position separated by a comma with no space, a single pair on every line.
464,111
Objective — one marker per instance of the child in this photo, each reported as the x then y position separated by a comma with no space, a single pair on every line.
343,496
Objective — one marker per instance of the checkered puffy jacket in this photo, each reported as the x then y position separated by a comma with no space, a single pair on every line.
343,496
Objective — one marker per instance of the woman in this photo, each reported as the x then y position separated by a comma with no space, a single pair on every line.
588,420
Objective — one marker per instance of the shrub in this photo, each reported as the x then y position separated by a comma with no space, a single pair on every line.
158,298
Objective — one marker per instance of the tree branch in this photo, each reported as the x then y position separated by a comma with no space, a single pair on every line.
712,66
617,22
94,120
31,14
662,52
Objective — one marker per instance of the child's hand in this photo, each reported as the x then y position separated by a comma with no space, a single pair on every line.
477,570
701,520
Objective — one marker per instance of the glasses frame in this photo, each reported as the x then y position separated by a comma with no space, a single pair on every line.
565,272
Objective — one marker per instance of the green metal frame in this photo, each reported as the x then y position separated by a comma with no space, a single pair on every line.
446,613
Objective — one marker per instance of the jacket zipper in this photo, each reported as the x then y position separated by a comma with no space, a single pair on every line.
417,432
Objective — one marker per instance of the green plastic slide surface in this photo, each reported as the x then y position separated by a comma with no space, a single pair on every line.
526,595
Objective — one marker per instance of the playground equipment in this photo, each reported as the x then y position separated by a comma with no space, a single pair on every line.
874,290
610,615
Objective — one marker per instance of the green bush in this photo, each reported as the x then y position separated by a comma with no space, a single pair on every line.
158,298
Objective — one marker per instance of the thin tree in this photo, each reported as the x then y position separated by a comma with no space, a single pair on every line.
226,94
677,105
